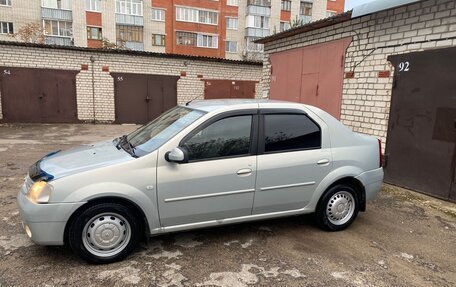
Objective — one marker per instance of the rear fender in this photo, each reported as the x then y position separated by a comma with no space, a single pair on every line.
333,176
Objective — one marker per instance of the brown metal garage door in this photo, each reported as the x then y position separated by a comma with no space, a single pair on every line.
140,98
421,139
229,89
311,75
38,95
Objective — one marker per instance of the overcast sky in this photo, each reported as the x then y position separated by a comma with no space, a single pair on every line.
352,3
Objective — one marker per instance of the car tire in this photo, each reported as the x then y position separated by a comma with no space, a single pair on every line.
337,208
104,233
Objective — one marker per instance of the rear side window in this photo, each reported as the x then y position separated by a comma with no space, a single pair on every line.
227,137
284,132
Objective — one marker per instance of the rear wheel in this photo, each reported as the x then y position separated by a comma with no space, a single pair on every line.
104,233
337,208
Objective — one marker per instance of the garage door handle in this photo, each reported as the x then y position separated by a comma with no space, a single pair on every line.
244,172
324,161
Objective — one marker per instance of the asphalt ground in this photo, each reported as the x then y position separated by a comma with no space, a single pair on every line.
404,238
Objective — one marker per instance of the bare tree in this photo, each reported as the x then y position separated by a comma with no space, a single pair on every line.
106,44
297,22
251,52
110,45
30,33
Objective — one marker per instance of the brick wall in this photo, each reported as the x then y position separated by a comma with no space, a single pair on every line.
188,87
366,98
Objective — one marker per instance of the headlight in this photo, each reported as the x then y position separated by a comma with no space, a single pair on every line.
40,192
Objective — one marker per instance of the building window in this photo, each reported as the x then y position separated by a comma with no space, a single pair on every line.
129,7
286,5
231,46
305,8
158,40
207,41
284,26
127,33
186,14
93,5
5,2
208,17
266,3
6,28
196,16
186,38
261,22
94,33
231,23
158,15
330,13
58,28
56,4
232,2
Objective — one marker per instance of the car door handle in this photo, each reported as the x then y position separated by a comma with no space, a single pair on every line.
324,161
244,172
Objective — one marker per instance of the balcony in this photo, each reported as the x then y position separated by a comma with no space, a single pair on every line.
256,32
56,14
305,19
258,10
135,46
60,41
133,20
253,47
259,3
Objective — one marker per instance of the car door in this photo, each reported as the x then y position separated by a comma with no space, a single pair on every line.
218,181
293,157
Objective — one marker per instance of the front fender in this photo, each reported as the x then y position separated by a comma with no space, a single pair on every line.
333,176
119,190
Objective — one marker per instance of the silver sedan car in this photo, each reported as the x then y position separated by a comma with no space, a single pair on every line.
207,163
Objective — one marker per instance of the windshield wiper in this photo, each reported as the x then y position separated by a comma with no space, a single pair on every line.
131,148
126,145
120,141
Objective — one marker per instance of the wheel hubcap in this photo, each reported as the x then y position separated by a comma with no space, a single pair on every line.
106,234
340,207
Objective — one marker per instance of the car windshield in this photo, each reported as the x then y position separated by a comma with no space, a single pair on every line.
152,135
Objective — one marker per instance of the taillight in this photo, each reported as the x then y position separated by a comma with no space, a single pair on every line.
380,155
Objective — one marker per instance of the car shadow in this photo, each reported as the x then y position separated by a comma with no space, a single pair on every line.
207,237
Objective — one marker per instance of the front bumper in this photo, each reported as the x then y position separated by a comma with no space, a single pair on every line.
45,222
372,181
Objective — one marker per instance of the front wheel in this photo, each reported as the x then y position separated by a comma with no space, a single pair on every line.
337,208
104,233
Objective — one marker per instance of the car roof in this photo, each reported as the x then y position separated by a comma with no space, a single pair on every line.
213,105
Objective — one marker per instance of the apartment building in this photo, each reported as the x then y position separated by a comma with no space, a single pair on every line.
213,28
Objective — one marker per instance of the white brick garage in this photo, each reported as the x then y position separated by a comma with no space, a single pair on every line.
366,97
95,93
417,127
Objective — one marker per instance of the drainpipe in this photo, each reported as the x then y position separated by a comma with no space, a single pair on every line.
92,59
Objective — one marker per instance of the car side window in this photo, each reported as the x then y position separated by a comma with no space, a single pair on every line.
284,132
224,138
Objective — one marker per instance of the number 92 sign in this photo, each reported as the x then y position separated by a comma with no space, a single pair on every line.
403,66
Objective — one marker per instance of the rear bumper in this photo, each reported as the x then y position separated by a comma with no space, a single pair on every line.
372,181
45,223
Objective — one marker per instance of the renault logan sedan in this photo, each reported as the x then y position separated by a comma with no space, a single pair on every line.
205,164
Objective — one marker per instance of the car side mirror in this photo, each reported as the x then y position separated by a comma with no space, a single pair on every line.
177,154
